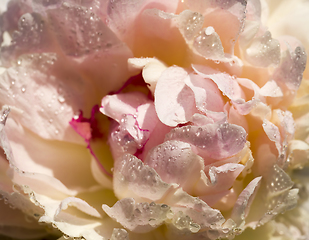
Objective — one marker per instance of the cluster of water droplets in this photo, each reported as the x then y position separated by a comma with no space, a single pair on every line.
190,23
206,41
264,51
133,170
224,136
291,69
208,44
119,234
183,221
88,34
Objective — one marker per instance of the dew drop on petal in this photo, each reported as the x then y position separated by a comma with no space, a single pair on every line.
61,99
23,89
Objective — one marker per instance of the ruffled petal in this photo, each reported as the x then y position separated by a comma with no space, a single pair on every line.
222,178
134,179
152,70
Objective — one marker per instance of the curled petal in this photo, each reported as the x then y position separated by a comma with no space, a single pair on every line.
177,106
222,178
244,201
298,153
207,94
115,106
152,70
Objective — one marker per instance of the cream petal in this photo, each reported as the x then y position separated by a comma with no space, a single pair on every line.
244,201
138,217
271,89
39,170
152,70
17,225
298,153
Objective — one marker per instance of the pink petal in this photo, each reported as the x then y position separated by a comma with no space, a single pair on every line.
231,11
222,178
115,106
293,64
134,179
177,106
124,15
91,47
175,162
46,95
33,36
230,86
207,94
214,140
226,83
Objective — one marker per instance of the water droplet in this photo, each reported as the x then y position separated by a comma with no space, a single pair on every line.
23,89
61,99
209,30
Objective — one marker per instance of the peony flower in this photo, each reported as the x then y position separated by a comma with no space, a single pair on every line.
152,119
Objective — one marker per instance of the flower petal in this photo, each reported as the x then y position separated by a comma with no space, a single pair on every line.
138,217
244,201
175,162
134,179
177,106
214,140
